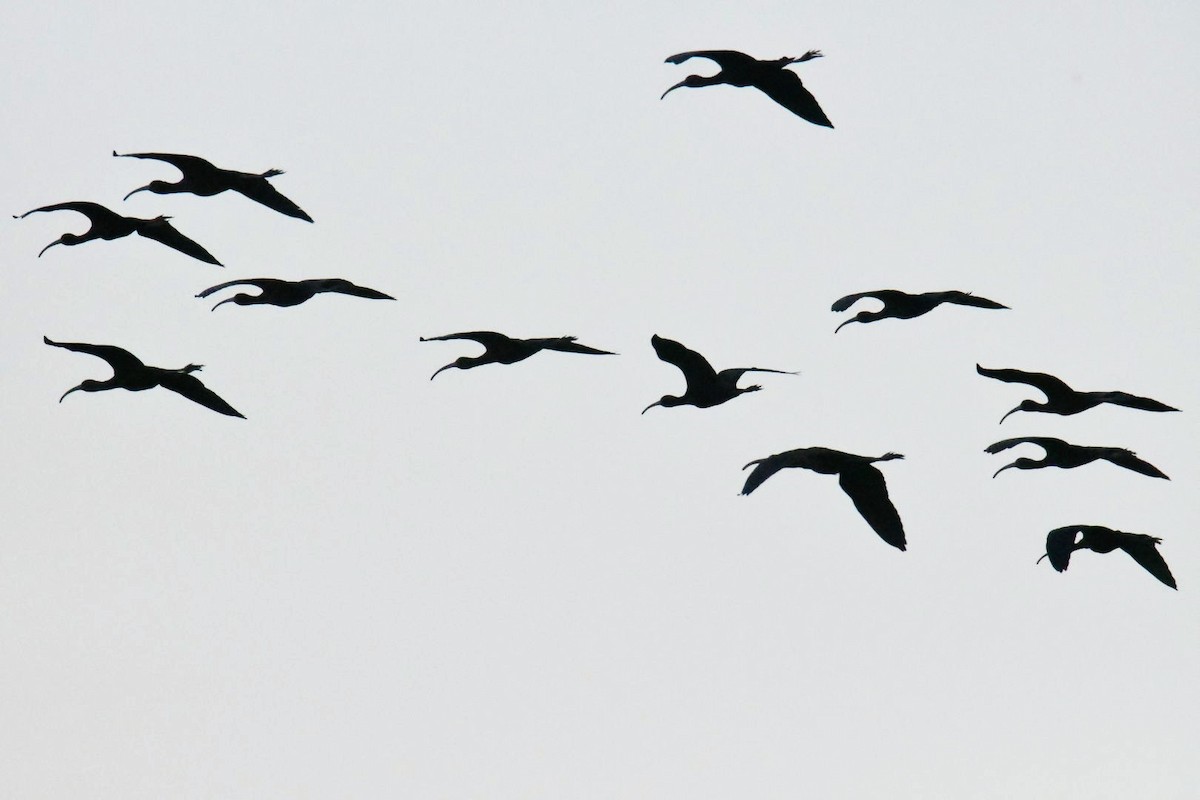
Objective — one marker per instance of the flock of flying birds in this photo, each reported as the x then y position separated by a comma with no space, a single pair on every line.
705,387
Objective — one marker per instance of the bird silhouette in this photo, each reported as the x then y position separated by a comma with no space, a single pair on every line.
902,305
131,374
856,475
201,178
277,292
1068,456
770,77
1062,399
110,225
1061,542
705,386
501,349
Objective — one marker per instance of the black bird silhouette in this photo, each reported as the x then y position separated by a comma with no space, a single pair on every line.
110,225
1061,542
856,475
1062,399
705,386
770,77
277,292
501,349
131,374
903,305
1068,456
200,177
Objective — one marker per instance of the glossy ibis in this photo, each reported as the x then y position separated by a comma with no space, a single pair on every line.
277,292
770,77
903,305
501,349
705,386
1062,399
1068,456
1061,542
856,475
201,178
131,374
110,225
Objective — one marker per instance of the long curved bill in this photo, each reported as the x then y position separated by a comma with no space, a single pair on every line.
844,324
1006,466
652,405
47,247
673,88
135,191
1018,408
223,302
68,391
443,369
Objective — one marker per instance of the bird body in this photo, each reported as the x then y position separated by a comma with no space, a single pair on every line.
1062,399
1061,542
277,292
109,225
201,177
902,305
131,374
501,349
1065,455
705,386
857,476
770,77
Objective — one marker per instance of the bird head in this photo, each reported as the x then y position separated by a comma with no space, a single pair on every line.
1020,463
862,316
86,386
158,187
462,362
691,81
1026,405
241,299
666,401
66,238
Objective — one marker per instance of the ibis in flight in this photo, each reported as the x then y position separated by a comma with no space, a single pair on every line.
110,225
1062,399
770,77
705,386
1065,455
856,475
131,374
202,178
903,305
1061,542
501,349
277,292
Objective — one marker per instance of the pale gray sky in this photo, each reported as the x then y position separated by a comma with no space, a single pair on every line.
509,584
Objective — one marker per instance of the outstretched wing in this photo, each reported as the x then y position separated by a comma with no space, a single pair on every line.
261,283
118,358
163,232
764,468
868,490
695,367
1045,442
784,87
1047,384
968,299
190,387
1144,550
260,190
488,339
1133,401
726,59
567,344
1060,543
96,213
883,295
343,286
731,376
190,166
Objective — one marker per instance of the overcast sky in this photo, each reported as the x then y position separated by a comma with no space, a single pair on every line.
506,583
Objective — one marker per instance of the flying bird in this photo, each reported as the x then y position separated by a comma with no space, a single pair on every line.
201,178
110,225
277,292
131,374
705,386
1062,399
1068,456
1061,542
501,349
770,77
903,305
856,475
